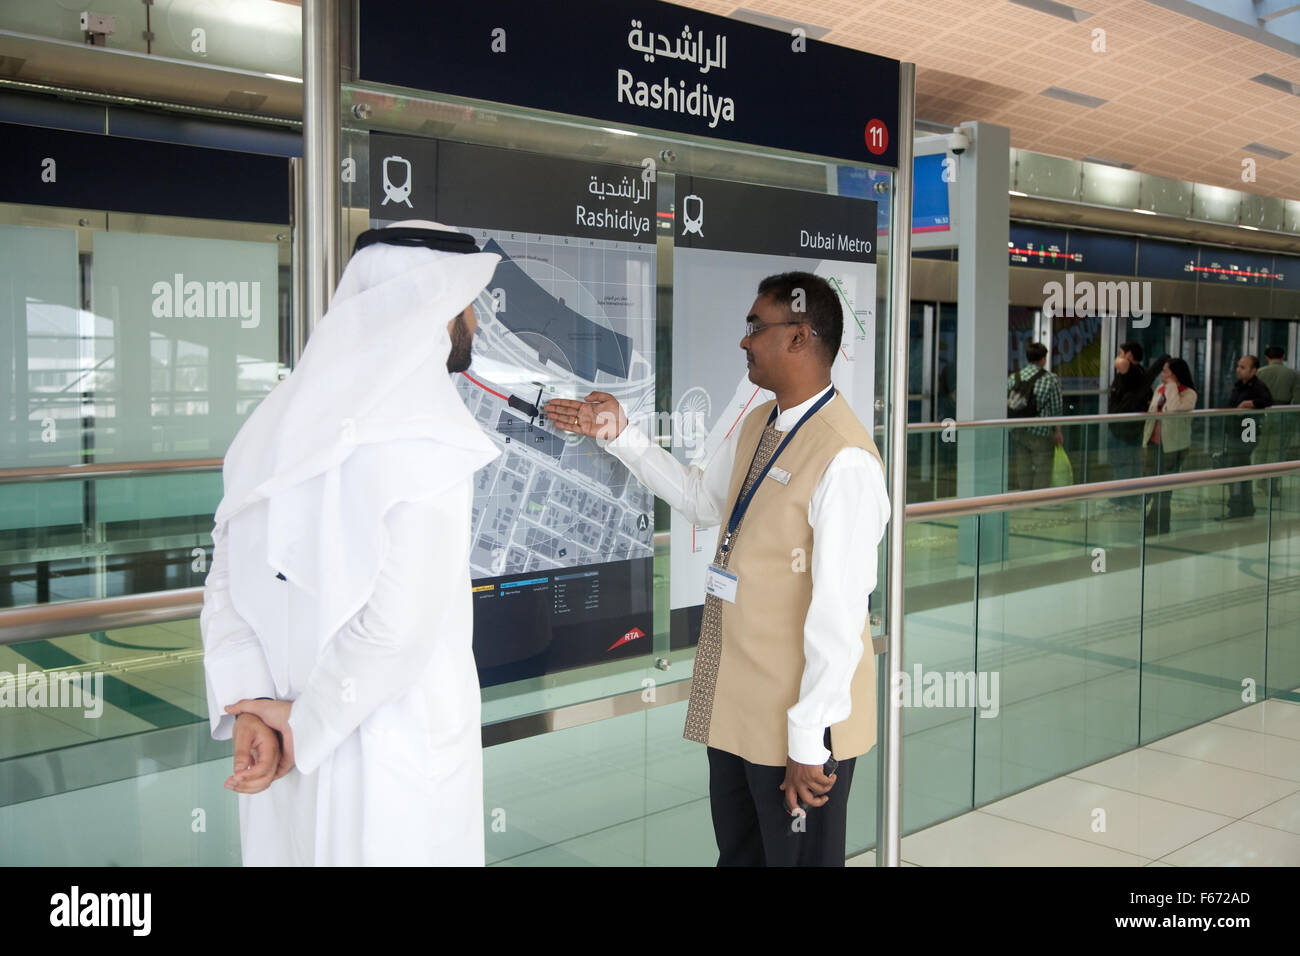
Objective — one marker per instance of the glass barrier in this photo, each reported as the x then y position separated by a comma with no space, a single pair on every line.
145,344
264,36
1076,632
1039,641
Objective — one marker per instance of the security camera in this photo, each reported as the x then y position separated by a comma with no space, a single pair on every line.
958,141
96,28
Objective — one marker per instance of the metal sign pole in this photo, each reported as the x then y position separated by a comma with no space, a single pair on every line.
320,146
889,837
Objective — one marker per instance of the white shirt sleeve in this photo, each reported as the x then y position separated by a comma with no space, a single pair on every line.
700,495
386,647
234,664
848,513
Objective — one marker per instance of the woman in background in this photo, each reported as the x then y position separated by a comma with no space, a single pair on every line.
1169,432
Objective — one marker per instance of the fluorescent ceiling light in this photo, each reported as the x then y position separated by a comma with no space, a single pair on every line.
618,132
930,126
1277,83
1062,10
283,76
1013,192
1251,228
745,15
1272,152
1073,96
1103,161
1146,212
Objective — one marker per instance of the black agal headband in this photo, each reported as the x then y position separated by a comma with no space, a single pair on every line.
441,240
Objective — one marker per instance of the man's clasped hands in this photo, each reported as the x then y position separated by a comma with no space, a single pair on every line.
263,744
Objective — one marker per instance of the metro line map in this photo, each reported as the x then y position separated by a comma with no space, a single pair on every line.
562,317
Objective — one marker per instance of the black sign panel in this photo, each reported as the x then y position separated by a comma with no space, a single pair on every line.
735,217
642,63
1286,272
1235,266
1097,252
50,167
1040,248
1166,260
493,188
541,622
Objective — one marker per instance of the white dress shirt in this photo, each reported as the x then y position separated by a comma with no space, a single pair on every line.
847,512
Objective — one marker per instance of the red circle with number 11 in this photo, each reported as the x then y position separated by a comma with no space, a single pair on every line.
877,137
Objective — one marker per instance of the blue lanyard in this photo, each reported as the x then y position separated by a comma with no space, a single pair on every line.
742,503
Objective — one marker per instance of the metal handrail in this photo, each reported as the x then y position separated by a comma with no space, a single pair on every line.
43,621
1090,419
122,469
1012,500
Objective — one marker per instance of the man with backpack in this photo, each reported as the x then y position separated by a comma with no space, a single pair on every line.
1034,392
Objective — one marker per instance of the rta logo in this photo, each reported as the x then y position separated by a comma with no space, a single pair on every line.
631,635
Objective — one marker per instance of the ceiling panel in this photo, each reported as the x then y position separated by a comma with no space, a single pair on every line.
1180,100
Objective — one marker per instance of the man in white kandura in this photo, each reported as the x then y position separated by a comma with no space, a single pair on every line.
337,623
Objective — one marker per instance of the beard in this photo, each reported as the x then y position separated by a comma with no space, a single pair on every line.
462,346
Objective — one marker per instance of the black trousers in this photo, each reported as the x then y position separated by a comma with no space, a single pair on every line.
1241,501
752,826
1167,462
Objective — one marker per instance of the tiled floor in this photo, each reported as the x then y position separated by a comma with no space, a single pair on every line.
1225,793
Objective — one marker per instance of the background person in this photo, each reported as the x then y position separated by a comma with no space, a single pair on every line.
1280,440
1129,393
1169,433
1241,436
1034,392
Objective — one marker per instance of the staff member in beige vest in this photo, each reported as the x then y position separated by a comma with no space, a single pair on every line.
784,679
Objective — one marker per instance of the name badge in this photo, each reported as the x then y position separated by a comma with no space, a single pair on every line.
780,474
721,583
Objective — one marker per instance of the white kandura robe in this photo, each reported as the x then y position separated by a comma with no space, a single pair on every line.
405,785
352,479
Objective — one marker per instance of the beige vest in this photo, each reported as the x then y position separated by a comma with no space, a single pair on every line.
762,657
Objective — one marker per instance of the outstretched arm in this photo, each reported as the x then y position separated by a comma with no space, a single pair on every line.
699,494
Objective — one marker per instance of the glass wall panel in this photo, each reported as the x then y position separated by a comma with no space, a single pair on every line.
1205,599
1195,352
1283,647
1058,644
1228,345
1154,338
940,625
148,343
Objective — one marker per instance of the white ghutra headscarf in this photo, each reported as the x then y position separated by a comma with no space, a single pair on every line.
368,419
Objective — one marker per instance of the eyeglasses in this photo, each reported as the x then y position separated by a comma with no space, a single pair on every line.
752,328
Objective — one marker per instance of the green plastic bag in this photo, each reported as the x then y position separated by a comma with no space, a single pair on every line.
1062,470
